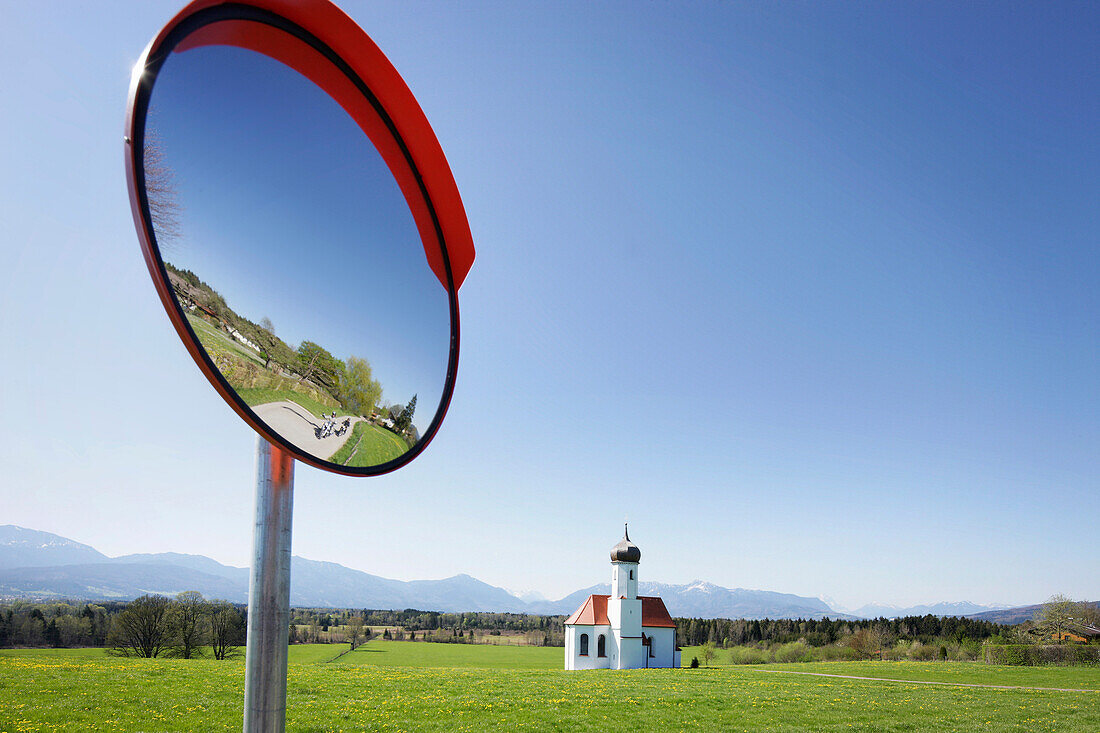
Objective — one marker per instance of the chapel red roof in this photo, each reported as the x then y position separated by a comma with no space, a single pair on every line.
654,613
593,612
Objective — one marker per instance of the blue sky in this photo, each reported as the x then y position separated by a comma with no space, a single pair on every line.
806,291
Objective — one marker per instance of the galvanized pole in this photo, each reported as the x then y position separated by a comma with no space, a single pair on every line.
269,593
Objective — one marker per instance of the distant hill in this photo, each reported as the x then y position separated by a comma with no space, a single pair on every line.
1015,615
199,563
20,547
961,608
37,564
1007,615
700,599
112,581
328,584
528,596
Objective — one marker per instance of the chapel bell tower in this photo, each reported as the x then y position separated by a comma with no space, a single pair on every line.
625,557
624,608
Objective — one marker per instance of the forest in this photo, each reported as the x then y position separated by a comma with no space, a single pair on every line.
76,624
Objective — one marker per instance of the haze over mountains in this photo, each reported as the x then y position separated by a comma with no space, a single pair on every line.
35,564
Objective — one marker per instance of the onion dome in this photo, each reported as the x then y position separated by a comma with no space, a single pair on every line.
625,551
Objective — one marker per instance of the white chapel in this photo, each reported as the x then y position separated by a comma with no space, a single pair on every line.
622,630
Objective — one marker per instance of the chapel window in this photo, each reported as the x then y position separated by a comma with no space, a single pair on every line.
584,645
601,646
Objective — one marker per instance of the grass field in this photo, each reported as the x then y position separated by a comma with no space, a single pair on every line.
400,686
211,336
383,653
260,396
1079,677
314,653
369,445
957,672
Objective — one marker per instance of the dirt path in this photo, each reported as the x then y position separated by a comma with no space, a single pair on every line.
298,425
925,682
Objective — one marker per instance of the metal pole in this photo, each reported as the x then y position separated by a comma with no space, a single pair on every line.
269,593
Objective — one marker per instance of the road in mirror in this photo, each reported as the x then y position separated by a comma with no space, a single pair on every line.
294,256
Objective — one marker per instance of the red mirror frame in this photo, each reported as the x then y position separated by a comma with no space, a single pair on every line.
318,40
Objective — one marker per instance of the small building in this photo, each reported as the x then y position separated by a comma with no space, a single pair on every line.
622,630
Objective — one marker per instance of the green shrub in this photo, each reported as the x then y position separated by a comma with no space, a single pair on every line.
1035,654
899,651
966,650
796,651
834,653
922,652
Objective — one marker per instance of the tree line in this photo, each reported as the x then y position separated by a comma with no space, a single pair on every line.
1063,631
414,620
319,625
58,624
822,632
185,626
189,625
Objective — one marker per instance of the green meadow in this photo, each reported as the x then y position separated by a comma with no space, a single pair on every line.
960,673
963,673
369,445
382,653
403,686
213,338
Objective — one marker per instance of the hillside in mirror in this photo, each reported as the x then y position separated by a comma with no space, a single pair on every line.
294,256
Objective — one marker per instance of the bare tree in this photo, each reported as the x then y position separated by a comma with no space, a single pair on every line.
353,631
226,630
188,623
867,640
1060,615
142,629
160,190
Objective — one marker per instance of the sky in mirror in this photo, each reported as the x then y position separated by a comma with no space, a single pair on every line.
288,212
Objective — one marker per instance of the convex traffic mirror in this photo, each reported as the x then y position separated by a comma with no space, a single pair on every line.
302,228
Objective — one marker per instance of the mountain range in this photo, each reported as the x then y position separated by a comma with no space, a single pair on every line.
36,564
963,608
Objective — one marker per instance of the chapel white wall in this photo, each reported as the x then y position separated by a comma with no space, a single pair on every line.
573,658
663,643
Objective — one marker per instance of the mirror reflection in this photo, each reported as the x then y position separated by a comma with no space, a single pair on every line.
294,256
